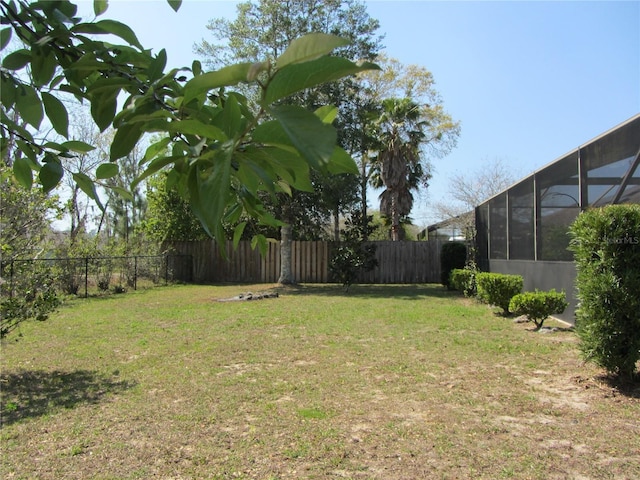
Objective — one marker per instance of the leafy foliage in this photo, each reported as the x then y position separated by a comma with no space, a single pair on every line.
353,255
464,280
457,278
453,255
606,245
401,128
338,195
169,216
498,289
410,126
208,130
25,297
538,306
24,217
23,234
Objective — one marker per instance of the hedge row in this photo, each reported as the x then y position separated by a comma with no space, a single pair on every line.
504,291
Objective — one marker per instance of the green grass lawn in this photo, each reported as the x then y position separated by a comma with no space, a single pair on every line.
385,382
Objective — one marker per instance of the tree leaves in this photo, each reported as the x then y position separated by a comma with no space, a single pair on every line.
8,90
298,76
56,113
100,6
113,27
342,162
125,139
310,47
209,190
17,60
103,108
225,77
230,121
237,233
155,166
107,170
50,174
43,65
29,105
78,146
156,148
22,172
313,139
175,4
5,37
196,127
156,69
221,151
327,114
88,187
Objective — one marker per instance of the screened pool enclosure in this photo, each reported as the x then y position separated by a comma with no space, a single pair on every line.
524,230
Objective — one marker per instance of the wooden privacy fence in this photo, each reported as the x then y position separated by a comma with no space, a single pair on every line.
398,262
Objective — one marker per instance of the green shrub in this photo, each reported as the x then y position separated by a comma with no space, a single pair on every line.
352,255
471,287
31,296
606,245
498,289
464,280
538,306
457,278
453,255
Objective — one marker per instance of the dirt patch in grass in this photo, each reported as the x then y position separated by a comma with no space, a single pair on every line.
395,382
249,296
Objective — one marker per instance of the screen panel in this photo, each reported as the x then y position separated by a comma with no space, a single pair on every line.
521,221
558,190
498,227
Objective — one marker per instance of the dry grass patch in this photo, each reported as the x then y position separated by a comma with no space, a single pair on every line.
386,382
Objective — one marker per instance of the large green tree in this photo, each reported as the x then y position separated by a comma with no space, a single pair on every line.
263,29
338,195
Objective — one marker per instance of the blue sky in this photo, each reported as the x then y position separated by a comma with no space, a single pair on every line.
528,80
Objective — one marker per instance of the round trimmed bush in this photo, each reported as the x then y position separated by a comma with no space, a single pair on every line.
538,306
498,288
464,280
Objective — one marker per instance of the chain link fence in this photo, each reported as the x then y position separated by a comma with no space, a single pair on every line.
84,276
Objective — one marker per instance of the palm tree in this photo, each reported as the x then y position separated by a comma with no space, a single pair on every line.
400,170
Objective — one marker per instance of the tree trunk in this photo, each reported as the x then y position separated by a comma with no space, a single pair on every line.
363,186
76,222
336,225
395,218
286,276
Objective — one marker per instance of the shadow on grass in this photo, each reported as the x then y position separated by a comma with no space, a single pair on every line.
629,387
404,291
28,394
